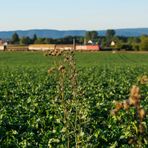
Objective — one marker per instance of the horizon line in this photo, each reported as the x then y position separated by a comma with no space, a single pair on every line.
72,29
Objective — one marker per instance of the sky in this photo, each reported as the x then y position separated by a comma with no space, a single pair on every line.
73,14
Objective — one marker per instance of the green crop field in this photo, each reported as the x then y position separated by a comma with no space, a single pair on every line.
83,59
44,102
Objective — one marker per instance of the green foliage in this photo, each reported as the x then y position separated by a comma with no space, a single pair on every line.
110,33
136,47
25,41
144,43
32,108
133,40
83,59
126,47
39,41
15,38
34,38
91,35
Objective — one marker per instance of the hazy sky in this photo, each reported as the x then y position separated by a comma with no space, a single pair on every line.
73,14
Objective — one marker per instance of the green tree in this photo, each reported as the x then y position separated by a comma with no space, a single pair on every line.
134,42
91,35
79,39
25,41
15,38
144,43
40,41
34,38
110,33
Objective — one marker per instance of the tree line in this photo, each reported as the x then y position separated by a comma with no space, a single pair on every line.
91,37
15,39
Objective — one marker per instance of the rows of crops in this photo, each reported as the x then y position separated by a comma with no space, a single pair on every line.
84,59
41,109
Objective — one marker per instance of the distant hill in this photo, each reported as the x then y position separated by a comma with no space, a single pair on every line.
129,32
60,34
42,33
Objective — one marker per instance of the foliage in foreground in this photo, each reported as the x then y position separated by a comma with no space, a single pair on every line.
38,109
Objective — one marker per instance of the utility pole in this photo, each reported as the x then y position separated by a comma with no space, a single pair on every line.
85,41
74,43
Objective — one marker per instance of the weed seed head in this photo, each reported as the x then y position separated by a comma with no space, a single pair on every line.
141,113
118,106
126,104
141,128
61,68
50,70
135,90
143,79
